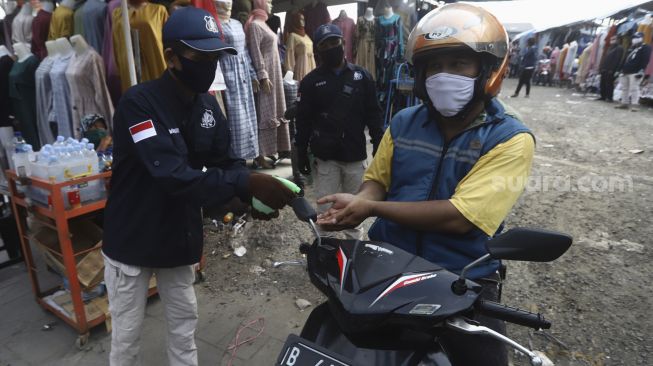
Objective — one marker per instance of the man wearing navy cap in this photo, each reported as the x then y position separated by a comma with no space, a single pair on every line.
165,132
336,102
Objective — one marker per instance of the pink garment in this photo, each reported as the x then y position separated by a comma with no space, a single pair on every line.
649,68
113,77
348,28
315,16
594,55
259,12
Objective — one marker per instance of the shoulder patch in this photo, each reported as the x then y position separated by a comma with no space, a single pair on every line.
208,121
142,131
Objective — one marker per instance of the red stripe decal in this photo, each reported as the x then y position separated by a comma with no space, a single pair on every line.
141,127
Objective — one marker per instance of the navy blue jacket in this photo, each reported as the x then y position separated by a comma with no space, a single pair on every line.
637,59
153,217
530,58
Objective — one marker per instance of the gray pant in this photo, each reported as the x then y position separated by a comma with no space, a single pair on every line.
330,176
127,287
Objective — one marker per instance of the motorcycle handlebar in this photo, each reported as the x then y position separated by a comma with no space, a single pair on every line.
512,315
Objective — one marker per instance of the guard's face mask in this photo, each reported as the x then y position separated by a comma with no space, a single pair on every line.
637,41
332,57
196,75
449,93
95,136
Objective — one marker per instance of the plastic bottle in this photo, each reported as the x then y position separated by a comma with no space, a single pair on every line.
60,141
31,155
91,155
21,160
16,142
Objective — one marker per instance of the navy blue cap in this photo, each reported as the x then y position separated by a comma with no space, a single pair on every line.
195,28
326,31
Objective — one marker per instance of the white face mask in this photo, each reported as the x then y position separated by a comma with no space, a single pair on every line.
637,41
450,93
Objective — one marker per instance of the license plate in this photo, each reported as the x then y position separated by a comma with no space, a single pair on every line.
300,352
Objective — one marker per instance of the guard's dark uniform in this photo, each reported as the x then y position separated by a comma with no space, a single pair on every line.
333,111
152,217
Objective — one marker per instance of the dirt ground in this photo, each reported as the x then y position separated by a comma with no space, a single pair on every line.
589,180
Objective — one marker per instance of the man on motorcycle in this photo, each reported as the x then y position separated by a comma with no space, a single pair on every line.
448,172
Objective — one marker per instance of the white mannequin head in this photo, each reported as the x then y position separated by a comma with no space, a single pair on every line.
63,46
343,14
68,3
269,6
223,8
26,9
51,46
35,4
47,6
79,44
22,51
369,14
10,6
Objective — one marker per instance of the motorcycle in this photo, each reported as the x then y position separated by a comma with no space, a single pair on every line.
543,72
387,307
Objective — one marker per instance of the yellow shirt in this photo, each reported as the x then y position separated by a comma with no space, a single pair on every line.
62,23
487,193
148,20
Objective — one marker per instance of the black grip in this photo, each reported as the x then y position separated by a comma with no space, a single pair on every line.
512,315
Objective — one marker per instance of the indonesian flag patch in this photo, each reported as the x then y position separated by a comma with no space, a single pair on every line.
142,131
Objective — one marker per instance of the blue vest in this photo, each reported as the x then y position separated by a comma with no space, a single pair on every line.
424,168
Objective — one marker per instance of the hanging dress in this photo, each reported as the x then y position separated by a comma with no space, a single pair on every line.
273,128
22,92
239,98
389,49
364,51
299,55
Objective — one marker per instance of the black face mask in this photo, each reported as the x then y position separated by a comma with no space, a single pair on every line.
332,57
196,75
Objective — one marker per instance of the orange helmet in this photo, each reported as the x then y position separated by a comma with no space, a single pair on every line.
460,26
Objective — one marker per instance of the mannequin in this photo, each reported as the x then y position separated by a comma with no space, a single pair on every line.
94,13
315,14
51,46
369,14
62,24
348,28
47,6
262,44
64,46
299,48
240,80
21,27
41,26
22,51
148,18
365,42
22,92
389,47
79,44
68,3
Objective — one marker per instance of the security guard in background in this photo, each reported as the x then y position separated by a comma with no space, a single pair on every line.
163,133
336,102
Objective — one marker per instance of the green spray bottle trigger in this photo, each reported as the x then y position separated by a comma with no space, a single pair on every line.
262,207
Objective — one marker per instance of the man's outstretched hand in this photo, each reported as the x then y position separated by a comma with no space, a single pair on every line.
347,211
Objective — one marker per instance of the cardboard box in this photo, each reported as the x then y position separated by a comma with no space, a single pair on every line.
84,235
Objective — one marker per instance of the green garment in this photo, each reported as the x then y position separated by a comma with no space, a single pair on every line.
22,91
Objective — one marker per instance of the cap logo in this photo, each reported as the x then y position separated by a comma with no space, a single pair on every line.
211,25
440,33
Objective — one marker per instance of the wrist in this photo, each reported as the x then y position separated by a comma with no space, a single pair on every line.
372,208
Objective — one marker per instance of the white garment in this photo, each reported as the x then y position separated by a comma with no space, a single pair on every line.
127,287
329,177
629,89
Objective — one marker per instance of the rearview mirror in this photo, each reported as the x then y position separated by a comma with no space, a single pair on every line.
535,245
303,209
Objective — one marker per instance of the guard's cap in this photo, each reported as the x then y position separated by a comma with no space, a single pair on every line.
195,28
326,31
